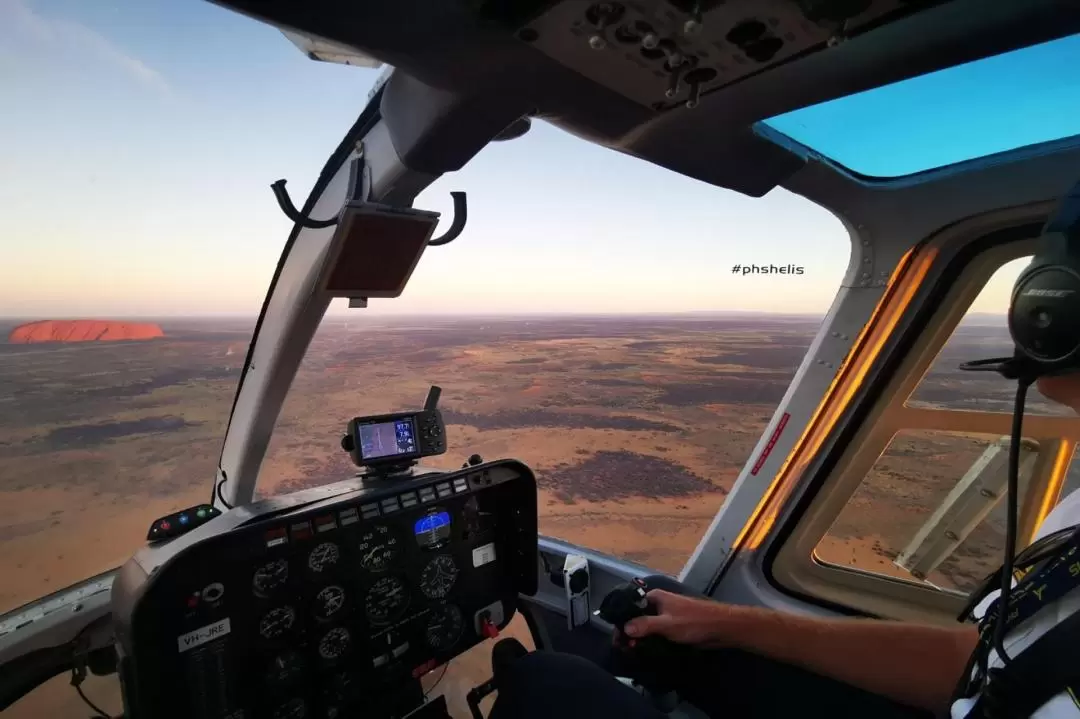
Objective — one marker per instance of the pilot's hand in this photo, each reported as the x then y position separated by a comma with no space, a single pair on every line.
680,619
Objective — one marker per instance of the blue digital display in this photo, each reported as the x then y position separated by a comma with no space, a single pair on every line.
431,523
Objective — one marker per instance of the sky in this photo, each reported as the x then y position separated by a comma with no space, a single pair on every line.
147,133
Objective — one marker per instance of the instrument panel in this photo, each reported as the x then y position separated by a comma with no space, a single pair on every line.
316,609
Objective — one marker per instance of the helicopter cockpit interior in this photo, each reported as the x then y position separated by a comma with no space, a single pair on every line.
338,600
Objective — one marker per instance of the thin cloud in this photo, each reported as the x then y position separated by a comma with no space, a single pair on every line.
56,32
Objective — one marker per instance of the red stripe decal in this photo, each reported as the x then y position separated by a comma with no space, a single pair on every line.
772,443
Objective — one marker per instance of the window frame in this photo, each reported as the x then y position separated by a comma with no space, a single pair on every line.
790,562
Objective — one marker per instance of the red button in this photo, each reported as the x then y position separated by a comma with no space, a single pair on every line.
165,525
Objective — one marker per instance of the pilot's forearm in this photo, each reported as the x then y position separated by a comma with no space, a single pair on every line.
915,664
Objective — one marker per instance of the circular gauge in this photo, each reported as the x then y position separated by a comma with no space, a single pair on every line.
323,557
379,549
328,602
276,622
270,577
444,627
386,600
285,668
438,576
334,644
292,709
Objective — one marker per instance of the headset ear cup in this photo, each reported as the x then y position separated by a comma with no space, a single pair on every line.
1044,316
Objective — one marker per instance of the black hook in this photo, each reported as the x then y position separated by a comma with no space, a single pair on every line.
287,206
461,215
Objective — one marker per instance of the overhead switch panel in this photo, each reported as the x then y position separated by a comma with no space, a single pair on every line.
668,53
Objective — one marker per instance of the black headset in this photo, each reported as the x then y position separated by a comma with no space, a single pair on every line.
1044,314
1044,311
1044,323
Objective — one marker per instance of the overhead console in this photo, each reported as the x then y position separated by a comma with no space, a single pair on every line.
668,53
313,605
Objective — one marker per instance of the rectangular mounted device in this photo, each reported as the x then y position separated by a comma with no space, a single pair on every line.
396,438
376,248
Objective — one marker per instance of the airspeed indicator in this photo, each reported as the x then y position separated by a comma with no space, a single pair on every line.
378,549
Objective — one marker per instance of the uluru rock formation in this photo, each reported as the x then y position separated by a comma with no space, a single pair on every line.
83,331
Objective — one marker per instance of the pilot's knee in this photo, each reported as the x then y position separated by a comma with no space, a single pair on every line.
554,668
566,686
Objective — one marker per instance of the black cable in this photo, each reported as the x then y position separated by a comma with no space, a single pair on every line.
78,669
220,496
1010,519
436,684
100,714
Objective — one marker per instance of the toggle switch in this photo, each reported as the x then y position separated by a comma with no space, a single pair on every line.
674,83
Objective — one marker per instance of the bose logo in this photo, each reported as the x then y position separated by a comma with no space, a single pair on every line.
1048,293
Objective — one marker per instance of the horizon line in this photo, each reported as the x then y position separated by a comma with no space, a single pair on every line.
429,315
535,314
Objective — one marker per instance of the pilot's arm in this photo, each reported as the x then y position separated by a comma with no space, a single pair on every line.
914,664
918,665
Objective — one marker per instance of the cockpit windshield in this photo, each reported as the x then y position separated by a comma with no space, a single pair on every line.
609,353
139,238
627,331
949,116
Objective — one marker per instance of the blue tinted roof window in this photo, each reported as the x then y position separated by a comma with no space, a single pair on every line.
1014,100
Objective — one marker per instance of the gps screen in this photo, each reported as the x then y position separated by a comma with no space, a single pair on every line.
387,439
